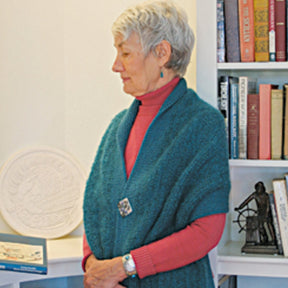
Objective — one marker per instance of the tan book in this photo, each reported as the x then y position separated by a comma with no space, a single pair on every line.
276,123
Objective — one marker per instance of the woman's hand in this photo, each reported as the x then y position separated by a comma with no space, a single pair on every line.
104,273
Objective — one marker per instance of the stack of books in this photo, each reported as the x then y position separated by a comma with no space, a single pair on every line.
256,117
252,30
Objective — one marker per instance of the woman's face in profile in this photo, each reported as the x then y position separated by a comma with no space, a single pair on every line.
139,73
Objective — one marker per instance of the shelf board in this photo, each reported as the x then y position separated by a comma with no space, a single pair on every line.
253,66
231,261
258,163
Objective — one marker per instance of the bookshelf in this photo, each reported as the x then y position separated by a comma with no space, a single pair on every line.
228,258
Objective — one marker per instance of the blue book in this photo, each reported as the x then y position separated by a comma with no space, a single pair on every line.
23,254
220,32
234,124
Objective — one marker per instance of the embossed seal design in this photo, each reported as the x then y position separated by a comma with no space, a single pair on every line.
41,192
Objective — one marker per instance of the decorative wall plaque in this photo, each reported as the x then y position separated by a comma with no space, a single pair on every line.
41,192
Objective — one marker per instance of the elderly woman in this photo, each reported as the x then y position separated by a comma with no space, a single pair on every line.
157,195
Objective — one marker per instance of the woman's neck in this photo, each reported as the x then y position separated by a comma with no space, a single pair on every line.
157,97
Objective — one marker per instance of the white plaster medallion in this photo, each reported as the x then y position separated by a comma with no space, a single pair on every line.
41,192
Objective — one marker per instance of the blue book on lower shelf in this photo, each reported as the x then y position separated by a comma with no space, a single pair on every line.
23,254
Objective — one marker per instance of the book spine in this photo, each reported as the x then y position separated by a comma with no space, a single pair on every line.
280,22
220,32
234,121
286,30
272,36
275,223
276,123
223,101
281,201
246,86
232,31
261,30
246,28
285,122
265,121
243,117
252,126
23,268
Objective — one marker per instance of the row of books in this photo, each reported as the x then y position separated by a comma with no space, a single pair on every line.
255,116
279,210
252,30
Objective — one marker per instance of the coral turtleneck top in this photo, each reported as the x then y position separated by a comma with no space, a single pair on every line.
182,247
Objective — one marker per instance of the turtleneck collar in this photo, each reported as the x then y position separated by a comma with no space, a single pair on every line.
158,96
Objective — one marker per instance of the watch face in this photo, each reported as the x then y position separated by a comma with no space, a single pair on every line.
129,265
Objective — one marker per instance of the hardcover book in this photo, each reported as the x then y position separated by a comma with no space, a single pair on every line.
23,254
247,86
276,123
281,204
223,100
232,31
234,127
265,120
220,32
285,122
280,21
286,30
261,30
272,36
253,126
275,222
246,28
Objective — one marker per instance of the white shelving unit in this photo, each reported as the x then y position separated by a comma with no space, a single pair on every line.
244,173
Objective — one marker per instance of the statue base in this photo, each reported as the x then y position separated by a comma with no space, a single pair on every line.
260,249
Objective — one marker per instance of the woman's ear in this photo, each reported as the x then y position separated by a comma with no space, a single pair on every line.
163,52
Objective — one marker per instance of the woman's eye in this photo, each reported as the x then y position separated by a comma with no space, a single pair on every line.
125,54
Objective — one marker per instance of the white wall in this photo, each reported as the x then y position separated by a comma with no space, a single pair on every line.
56,83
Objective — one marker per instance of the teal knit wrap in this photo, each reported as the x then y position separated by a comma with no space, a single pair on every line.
181,174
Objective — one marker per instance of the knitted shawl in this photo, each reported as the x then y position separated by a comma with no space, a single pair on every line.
181,174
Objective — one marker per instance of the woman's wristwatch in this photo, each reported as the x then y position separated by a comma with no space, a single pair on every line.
129,265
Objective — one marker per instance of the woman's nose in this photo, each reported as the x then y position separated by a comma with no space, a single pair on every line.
117,65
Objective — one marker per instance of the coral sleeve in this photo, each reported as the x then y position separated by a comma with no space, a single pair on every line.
86,251
181,248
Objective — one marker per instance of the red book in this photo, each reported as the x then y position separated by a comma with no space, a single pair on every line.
280,22
246,30
253,126
265,120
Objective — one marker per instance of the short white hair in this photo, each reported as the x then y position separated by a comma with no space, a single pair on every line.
155,21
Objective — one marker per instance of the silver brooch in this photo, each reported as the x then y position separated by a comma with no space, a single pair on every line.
124,207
